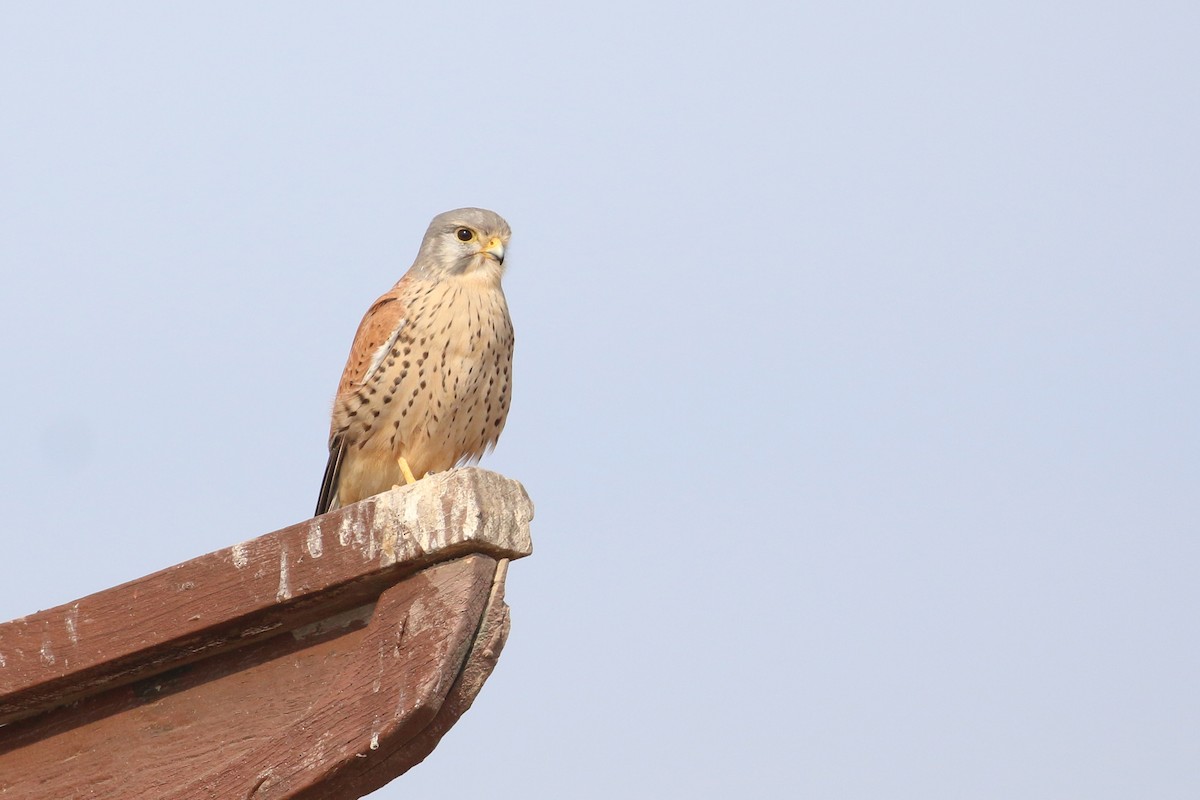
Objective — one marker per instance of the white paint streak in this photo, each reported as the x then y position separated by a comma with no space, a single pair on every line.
374,741
72,616
372,545
47,655
344,530
285,590
316,547
3,663
240,557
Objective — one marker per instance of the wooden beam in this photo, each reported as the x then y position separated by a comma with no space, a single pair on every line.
321,660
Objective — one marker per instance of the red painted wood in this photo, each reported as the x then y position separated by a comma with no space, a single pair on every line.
326,712
319,661
259,588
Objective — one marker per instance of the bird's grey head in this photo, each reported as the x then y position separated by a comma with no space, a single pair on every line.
462,241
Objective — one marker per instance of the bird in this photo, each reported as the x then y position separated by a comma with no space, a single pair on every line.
428,381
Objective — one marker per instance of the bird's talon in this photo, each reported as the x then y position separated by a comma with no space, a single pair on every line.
406,470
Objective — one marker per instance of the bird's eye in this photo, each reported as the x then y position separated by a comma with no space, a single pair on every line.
465,234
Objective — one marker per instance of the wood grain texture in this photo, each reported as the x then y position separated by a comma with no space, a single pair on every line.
363,777
256,590
332,710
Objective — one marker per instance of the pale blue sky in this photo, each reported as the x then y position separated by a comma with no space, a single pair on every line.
856,377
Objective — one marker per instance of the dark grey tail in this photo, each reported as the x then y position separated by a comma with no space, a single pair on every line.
333,469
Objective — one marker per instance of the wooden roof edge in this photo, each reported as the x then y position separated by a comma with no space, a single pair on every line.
257,588
329,713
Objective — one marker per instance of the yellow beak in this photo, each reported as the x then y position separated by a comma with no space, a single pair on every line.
495,248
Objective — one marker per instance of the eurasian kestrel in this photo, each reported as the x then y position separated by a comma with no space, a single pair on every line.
429,377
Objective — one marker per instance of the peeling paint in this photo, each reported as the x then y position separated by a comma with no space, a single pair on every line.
3,663
255,631
240,557
388,546
316,547
345,619
410,516
469,502
285,590
316,756
411,522
345,529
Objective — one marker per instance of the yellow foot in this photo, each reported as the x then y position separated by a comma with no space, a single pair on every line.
404,468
